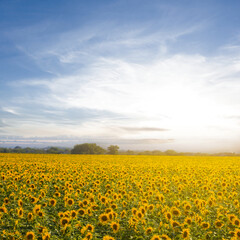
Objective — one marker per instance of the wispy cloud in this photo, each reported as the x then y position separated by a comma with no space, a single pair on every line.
140,129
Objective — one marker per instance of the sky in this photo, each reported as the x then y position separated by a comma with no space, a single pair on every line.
159,74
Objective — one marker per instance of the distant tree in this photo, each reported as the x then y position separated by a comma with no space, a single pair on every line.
171,152
54,150
113,149
129,152
87,148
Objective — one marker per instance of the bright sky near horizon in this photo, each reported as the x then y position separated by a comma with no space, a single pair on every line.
141,74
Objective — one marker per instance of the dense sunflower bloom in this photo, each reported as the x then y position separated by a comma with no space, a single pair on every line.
30,236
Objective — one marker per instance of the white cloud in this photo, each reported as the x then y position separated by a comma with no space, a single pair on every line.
185,93
193,91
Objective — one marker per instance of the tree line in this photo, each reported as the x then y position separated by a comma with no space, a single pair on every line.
85,148
93,148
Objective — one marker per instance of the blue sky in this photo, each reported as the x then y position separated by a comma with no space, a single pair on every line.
141,74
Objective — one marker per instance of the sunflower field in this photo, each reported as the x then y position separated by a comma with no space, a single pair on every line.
119,197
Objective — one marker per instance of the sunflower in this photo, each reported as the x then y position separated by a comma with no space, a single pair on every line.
139,215
150,207
81,211
64,221
164,237
236,222
142,210
46,236
40,214
70,201
103,218
123,214
115,226
88,236
33,200
231,217
57,194
36,209
90,227
30,216
108,238
41,229
156,237
30,236
218,224
175,211
149,230
168,216
205,225
134,211
20,203
175,224
103,200
188,220
110,216
114,206
73,214
3,209
6,201
237,233
52,202
85,202
20,212
185,233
